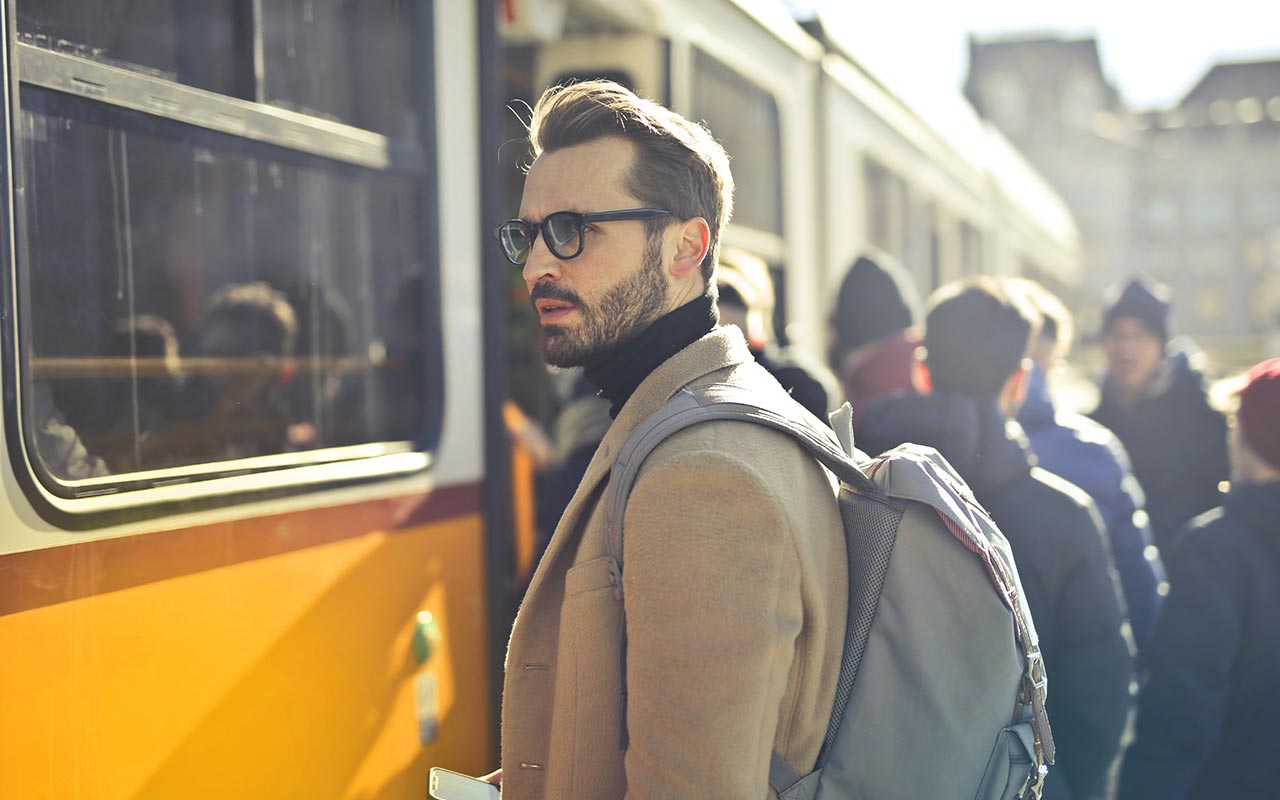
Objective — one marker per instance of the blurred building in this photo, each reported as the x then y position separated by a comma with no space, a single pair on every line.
1190,194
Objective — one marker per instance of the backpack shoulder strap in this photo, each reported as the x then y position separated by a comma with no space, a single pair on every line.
719,401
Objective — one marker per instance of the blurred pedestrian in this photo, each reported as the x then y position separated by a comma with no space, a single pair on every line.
1088,455
1209,713
746,299
1154,398
977,337
874,338
736,576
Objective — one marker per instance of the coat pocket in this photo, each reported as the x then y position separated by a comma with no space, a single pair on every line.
1010,765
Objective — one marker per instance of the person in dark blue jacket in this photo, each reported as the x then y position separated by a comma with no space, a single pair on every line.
1155,400
1088,455
1208,722
977,335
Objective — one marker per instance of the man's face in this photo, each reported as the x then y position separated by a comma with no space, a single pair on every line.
1133,352
618,285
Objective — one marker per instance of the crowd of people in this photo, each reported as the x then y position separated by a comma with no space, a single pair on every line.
1150,588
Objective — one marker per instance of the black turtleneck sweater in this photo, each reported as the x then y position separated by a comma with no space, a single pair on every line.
619,373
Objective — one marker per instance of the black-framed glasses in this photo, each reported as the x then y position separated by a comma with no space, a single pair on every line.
561,230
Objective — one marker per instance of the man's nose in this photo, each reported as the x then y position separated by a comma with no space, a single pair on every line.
541,263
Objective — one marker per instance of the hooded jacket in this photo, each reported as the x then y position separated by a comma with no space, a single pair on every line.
1209,713
1063,563
1176,440
1088,455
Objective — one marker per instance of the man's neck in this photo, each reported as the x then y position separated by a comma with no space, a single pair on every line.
620,373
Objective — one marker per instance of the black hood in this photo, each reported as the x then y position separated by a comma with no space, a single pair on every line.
987,449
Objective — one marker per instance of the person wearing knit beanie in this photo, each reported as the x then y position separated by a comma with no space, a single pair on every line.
874,338
1155,399
1141,299
1258,424
876,299
1135,330
1206,723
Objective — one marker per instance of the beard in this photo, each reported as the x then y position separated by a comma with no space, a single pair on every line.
624,311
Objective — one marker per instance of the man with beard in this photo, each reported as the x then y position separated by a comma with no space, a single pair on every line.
736,576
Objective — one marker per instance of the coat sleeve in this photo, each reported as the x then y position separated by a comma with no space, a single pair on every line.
713,611
1091,664
1189,663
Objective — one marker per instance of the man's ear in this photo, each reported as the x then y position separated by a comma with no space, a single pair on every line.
1014,390
693,239
921,379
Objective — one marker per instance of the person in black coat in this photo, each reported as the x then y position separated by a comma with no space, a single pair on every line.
976,337
1155,400
1091,457
1209,713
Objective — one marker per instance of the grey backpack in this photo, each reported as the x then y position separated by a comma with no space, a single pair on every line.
942,687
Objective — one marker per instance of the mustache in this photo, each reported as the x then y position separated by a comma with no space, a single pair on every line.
547,291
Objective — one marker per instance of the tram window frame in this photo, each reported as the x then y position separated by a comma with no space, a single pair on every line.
266,129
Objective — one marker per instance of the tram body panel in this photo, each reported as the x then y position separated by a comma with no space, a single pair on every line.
259,657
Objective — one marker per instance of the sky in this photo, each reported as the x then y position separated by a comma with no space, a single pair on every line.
1154,52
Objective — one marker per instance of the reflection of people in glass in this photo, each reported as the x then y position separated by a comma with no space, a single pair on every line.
57,444
133,406
250,331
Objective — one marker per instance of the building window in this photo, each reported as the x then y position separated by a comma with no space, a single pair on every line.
886,198
206,285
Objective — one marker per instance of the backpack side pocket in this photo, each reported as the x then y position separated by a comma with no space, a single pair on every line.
1011,763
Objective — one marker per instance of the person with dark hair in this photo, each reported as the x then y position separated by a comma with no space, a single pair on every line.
1155,400
1088,455
1207,715
874,338
251,330
977,337
746,299
736,579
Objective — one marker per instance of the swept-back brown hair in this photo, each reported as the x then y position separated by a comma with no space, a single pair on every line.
678,165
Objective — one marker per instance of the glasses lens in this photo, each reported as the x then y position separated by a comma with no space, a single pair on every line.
515,241
564,234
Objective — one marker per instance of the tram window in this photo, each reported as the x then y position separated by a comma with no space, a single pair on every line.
353,62
349,62
971,255
196,298
199,44
744,118
886,195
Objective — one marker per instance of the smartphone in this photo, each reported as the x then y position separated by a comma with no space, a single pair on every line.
446,785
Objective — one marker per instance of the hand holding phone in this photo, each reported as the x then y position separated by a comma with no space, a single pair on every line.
447,785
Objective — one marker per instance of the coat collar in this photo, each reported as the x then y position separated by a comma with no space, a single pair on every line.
719,349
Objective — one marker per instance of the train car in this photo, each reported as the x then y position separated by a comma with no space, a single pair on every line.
247,547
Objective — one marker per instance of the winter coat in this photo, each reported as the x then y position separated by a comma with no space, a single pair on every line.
1176,441
1209,711
1088,455
1062,559
736,586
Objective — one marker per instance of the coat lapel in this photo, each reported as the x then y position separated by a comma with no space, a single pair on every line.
719,349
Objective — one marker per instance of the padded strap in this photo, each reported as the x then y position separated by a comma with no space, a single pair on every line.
717,402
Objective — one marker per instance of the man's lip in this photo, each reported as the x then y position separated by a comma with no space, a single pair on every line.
547,306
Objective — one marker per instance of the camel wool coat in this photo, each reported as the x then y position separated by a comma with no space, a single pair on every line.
736,585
